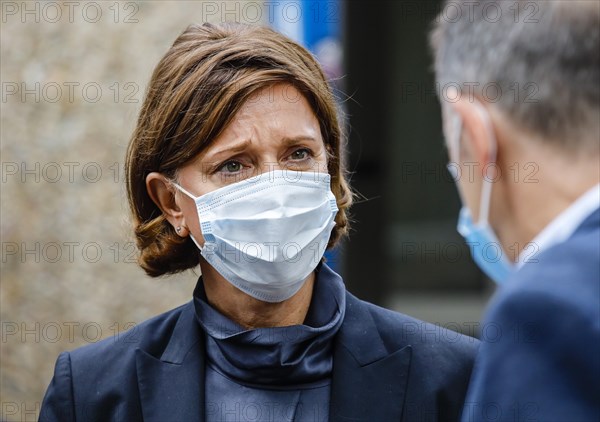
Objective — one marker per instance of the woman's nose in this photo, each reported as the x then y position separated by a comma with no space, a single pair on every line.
270,165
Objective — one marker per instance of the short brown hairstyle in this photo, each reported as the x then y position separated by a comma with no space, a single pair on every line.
195,90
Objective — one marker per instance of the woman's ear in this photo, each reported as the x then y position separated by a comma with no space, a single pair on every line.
162,193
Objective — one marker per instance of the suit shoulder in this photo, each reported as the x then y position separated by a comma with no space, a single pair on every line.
567,275
397,329
554,301
151,335
579,255
441,360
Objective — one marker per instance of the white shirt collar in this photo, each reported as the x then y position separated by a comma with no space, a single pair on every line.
563,226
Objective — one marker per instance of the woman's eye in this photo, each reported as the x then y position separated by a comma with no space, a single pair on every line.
231,167
301,154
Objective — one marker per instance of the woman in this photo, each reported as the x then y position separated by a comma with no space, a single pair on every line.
236,166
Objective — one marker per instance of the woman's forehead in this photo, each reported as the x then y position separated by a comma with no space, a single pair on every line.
274,98
272,116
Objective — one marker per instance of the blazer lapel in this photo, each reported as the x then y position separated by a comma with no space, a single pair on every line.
369,382
172,386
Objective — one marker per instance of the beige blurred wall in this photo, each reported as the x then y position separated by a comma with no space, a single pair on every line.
72,85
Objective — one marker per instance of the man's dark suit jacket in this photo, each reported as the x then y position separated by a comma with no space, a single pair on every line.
540,357
386,367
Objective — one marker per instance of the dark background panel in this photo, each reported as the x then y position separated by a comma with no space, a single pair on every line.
404,235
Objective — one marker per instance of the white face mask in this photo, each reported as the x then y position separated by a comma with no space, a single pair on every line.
266,234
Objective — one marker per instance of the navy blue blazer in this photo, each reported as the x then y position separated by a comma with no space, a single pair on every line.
386,367
540,358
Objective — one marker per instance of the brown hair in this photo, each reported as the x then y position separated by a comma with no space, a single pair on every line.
194,92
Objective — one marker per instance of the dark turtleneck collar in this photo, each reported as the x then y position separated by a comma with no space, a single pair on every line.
277,356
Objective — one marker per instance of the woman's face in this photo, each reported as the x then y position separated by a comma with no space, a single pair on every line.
274,130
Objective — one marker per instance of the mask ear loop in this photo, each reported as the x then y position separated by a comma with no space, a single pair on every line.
196,242
183,190
486,190
457,132
192,197
454,145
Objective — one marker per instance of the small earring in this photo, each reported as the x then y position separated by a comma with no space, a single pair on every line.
178,229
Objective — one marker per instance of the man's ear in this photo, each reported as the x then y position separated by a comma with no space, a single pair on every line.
163,195
477,143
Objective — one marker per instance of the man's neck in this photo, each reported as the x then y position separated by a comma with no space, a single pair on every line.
552,185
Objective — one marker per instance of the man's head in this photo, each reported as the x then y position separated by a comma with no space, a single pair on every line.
522,81
539,60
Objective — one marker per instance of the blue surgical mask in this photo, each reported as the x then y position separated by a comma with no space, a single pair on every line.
486,250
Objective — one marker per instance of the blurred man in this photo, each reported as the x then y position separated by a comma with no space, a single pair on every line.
520,91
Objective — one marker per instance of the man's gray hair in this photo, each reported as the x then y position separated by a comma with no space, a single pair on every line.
538,61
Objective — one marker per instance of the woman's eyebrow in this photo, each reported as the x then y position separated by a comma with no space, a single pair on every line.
232,149
243,145
296,139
